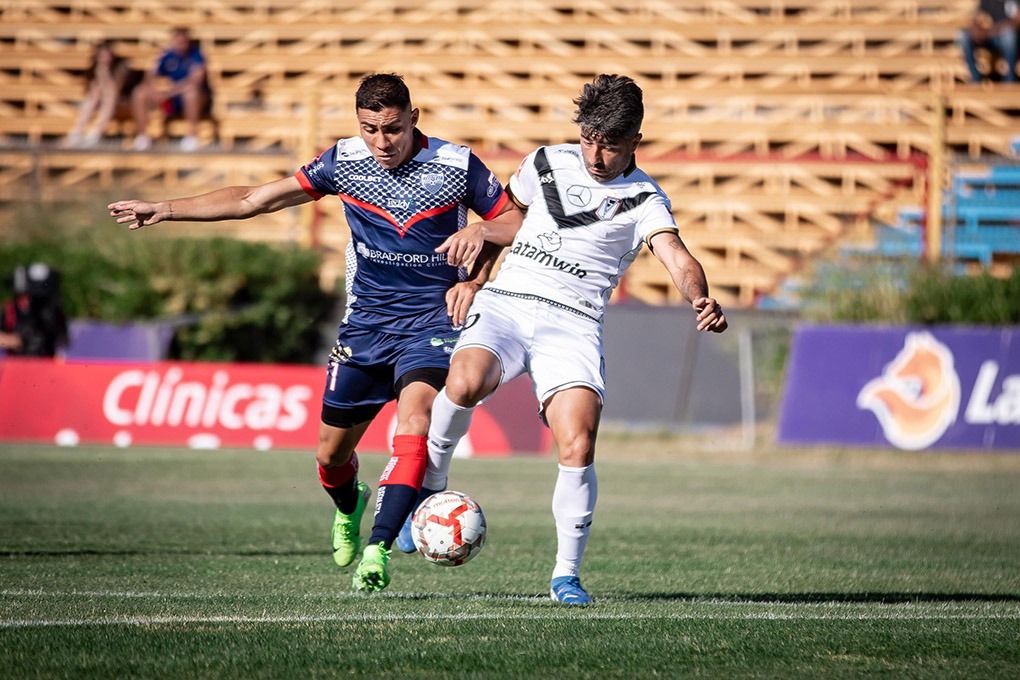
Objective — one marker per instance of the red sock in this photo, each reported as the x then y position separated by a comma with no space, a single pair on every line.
341,483
399,485
407,466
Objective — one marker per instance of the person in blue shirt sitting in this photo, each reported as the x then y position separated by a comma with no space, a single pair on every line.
189,95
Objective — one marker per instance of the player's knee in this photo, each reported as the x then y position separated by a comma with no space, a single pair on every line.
331,451
329,457
465,388
576,449
471,380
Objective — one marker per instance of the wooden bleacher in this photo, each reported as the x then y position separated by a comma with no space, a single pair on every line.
778,127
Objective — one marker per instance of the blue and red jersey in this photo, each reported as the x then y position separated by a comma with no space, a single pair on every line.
396,282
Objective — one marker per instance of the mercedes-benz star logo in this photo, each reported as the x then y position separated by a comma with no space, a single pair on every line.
579,195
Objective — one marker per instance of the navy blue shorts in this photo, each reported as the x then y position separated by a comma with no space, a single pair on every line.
367,369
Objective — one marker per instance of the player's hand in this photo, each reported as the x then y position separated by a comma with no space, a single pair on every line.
710,315
458,301
463,247
137,214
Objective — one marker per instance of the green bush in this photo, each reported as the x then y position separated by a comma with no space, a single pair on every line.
918,294
246,301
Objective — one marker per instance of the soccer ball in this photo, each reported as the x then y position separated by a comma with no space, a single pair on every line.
448,528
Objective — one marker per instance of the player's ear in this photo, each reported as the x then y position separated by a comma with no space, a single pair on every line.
414,117
635,142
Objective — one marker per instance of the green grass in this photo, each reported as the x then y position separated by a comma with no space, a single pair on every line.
149,563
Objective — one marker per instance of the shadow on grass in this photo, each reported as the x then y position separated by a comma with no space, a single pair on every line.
820,598
738,598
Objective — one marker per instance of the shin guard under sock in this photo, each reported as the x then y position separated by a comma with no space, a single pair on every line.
573,506
398,487
450,422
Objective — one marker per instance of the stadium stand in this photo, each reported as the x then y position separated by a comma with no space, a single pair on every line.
981,221
780,128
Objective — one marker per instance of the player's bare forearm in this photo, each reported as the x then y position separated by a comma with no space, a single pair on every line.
483,264
689,278
686,272
502,228
459,297
228,203
222,204
465,246
458,301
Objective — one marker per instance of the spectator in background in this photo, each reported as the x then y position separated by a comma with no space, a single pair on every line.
188,97
33,322
993,26
109,82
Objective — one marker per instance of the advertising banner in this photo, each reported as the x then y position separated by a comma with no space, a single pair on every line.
907,388
212,405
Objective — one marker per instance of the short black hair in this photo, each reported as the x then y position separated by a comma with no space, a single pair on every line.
380,91
611,107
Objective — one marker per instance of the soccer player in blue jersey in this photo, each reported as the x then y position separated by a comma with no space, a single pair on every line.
590,210
406,198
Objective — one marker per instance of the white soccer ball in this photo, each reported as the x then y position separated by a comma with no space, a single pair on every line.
448,528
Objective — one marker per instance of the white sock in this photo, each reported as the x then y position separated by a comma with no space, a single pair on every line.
573,505
450,423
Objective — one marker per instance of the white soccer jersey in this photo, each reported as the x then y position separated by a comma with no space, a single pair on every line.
579,235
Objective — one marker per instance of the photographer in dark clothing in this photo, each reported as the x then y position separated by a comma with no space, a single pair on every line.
33,323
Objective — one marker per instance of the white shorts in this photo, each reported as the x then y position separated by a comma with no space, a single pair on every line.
556,347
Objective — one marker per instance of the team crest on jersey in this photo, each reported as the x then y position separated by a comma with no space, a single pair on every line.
551,241
579,195
432,181
340,354
607,209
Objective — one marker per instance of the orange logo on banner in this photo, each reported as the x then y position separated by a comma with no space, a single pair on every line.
917,397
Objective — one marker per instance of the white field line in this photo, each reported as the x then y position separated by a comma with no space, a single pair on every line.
752,610
515,616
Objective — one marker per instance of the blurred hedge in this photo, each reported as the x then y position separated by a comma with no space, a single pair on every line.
251,302
905,294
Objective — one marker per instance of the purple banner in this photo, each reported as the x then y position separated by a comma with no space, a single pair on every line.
907,388
91,340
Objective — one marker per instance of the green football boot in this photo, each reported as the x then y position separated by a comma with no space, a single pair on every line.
347,529
371,573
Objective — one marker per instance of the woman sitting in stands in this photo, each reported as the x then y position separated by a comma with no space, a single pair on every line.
109,82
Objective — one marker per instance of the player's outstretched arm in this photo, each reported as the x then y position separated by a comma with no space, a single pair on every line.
229,203
689,278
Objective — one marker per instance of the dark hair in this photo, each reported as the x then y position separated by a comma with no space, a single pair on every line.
382,91
610,107
115,60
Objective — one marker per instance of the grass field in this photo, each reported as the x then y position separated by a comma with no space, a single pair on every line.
149,563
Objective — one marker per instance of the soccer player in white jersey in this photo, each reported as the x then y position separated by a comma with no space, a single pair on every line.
590,209
406,198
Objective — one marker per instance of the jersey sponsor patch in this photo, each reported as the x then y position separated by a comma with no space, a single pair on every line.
579,195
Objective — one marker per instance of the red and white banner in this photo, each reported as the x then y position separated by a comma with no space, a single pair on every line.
210,405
